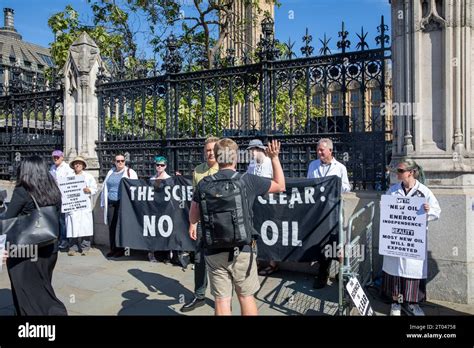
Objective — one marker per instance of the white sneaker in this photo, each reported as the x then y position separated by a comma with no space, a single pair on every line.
395,310
413,309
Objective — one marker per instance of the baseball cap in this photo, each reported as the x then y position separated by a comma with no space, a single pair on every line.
57,153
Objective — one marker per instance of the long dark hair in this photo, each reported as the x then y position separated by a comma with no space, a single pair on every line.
34,177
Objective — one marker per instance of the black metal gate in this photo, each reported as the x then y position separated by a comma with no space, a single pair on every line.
30,123
296,100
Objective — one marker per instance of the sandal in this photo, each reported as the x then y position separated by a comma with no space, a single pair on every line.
269,270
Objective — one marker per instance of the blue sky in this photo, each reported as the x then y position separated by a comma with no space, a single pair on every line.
291,19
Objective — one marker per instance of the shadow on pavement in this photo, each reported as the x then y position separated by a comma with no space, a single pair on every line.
137,303
292,293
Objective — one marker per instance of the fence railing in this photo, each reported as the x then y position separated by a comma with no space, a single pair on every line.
297,100
30,123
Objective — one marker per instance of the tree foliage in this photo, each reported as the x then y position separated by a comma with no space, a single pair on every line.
200,26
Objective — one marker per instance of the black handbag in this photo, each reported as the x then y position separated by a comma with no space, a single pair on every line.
40,228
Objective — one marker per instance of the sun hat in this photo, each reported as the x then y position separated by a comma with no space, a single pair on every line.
78,159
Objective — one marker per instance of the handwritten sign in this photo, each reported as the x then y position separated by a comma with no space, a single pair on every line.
73,196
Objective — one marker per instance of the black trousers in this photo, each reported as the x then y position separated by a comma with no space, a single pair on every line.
112,219
200,269
31,286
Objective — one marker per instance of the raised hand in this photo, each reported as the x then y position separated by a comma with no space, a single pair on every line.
273,149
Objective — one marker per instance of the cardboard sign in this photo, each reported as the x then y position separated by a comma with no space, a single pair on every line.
358,296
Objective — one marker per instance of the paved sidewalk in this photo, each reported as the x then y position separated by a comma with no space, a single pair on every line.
95,285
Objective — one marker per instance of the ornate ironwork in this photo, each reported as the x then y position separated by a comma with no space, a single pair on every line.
307,49
362,44
343,43
267,47
297,100
382,38
325,51
289,53
172,61
30,123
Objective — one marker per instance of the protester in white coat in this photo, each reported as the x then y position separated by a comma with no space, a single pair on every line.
404,280
79,224
60,169
326,165
110,199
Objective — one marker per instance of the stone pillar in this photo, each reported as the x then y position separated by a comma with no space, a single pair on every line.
433,102
80,101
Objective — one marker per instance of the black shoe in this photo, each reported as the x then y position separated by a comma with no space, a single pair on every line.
119,253
63,246
195,303
320,281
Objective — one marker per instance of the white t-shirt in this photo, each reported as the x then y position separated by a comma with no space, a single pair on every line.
264,169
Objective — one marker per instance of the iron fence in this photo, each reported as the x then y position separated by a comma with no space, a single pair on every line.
30,123
295,99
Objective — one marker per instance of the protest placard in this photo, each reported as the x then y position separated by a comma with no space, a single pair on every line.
402,227
73,196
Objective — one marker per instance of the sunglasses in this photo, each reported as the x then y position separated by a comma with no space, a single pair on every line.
120,161
56,157
160,165
401,171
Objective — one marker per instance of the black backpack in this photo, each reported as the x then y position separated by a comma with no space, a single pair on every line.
226,216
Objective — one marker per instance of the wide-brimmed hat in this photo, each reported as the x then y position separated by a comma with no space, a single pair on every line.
78,159
256,143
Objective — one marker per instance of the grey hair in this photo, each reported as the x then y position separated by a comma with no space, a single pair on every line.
328,143
411,165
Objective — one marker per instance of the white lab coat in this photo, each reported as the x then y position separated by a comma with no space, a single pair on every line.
62,171
80,223
411,268
128,173
316,170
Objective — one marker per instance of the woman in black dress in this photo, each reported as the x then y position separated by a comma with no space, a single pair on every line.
31,277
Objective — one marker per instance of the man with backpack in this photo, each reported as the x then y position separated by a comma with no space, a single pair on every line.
223,203
200,270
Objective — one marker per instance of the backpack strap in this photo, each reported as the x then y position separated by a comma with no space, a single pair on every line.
206,218
239,205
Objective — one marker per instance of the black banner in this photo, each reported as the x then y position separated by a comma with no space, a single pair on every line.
292,225
155,217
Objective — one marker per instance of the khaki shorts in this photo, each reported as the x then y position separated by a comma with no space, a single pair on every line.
225,274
